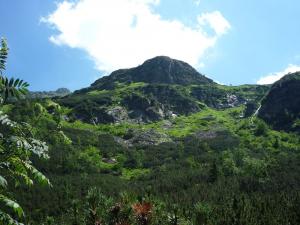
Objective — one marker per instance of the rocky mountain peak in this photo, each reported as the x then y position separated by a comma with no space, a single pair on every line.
159,70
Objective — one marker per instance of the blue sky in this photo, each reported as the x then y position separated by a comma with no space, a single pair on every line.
59,44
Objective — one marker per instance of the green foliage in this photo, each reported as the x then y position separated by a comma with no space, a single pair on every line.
3,55
202,213
12,87
97,206
9,87
133,173
17,146
261,128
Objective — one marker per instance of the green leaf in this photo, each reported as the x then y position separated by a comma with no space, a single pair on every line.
13,205
11,82
41,178
7,219
16,82
3,182
3,55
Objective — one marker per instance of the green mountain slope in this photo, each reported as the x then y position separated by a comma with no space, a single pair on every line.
161,88
213,159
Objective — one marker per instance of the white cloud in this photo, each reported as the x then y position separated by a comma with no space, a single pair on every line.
271,78
124,33
216,21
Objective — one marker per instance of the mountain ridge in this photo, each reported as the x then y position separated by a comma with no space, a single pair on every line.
60,92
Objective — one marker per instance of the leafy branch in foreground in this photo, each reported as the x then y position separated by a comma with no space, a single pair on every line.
17,145
9,87
12,88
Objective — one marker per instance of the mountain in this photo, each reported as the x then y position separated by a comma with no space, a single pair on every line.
281,107
60,92
159,70
160,88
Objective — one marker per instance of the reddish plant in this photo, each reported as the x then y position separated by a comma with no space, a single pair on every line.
142,212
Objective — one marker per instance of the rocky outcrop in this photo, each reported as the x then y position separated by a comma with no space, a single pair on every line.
216,97
119,114
141,138
281,107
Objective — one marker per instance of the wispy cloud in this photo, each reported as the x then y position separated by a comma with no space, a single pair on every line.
216,21
273,77
124,33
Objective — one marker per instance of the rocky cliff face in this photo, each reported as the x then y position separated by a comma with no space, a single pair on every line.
281,107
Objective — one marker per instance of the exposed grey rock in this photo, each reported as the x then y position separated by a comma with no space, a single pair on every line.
167,124
109,160
231,101
202,135
118,113
147,137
